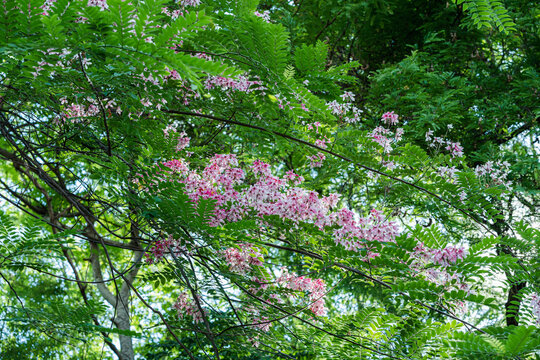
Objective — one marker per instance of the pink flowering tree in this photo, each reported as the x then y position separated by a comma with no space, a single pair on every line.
208,193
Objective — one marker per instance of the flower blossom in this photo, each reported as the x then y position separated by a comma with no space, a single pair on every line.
347,95
316,160
241,260
380,136
390,118
190,2
159,249
265,15
455,148
424,258
183,141
315,287
444,257
241,83
186,306
102,4
346,111
223,182
535,304
47,5
496,172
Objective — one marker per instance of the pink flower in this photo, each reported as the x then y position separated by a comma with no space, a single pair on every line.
168,130
260,167
241,260
455,149
390,118
265,15
535,304
102,4
183,141
190,2
347,95
186,306
241,83
321,143
221,180
316,160
177,165
47,6
379,135
494,172
316,289
159,249
444,257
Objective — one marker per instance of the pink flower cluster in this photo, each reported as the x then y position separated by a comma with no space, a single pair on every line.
424,258
444,257
316,160
346,110
102,4
455,148
173,14
163,247
447,172
159,249
390,118
183,141
47,5
241,83
373,228
178,166
190,2
265,15
187,306
261,168
535,304
182,138
223,182
386,137
294,178
380,136
78,112
316,289
321,143
347,95
241,260
496,172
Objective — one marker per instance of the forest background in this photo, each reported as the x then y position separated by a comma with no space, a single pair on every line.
276,179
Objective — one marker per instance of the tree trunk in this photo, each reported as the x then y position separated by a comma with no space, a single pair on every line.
122,321
120,301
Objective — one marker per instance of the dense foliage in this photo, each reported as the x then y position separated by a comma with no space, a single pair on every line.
259,180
